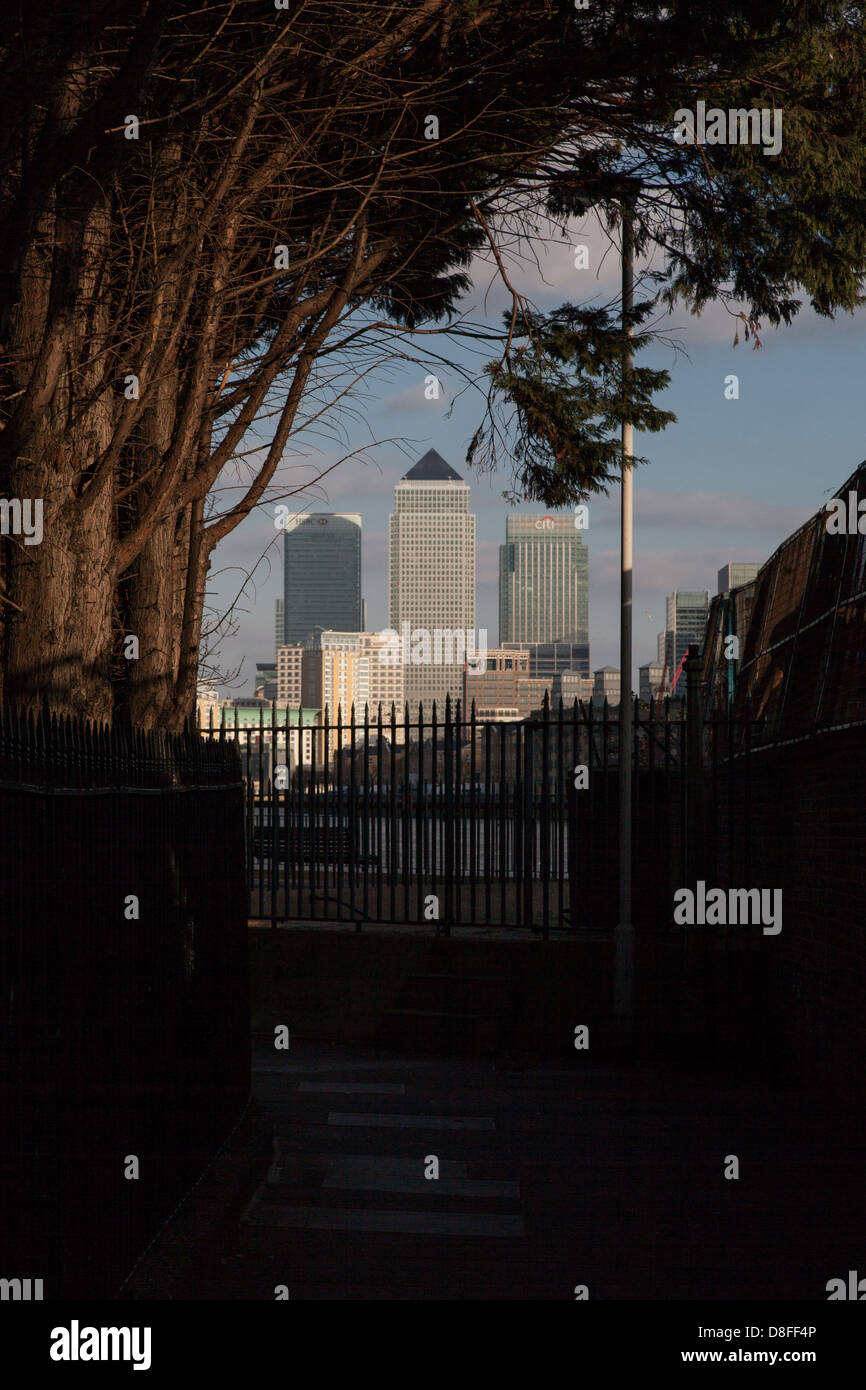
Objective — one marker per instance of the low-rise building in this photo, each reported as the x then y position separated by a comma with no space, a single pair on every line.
506,690
650,680
606,686
270,735
207,706
289,673
569,686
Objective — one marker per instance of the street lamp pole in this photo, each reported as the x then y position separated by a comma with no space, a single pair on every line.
624,936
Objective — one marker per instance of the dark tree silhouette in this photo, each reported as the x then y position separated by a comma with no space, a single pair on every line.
207,208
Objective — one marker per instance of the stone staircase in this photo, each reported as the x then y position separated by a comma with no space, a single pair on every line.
451,1014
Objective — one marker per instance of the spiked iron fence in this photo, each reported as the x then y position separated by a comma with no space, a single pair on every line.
457,822
124,1008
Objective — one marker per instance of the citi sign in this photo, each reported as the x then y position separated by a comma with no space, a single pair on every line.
581,520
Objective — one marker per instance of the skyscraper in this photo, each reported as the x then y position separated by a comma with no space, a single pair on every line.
686,613
543,591
322,574
432,578
737,572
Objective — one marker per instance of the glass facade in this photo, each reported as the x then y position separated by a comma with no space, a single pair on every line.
550,659
686,613
543,582
737,572
322,574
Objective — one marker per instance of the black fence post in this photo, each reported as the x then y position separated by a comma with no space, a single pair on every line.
448,755
694,758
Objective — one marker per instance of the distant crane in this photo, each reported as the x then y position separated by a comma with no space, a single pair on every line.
677,674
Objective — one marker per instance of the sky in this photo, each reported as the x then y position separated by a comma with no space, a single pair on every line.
729,481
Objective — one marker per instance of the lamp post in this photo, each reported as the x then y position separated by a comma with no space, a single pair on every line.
624,935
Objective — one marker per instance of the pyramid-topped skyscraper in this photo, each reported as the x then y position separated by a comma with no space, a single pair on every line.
431,468
432,573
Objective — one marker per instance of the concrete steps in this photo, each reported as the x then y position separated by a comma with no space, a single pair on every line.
483,994
450,1014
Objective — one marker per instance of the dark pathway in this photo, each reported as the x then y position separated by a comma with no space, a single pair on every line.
555,1176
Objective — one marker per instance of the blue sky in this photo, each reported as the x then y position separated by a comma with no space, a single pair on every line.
729,481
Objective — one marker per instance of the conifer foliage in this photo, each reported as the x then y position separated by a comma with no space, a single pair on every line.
214,216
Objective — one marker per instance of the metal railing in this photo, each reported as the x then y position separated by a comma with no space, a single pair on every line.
451,821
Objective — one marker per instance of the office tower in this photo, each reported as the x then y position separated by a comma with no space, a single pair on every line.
289,674
432,580
686,613
550,662
543,592
737,572
322,574
279,624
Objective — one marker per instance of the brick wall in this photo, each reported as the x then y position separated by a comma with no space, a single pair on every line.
805,810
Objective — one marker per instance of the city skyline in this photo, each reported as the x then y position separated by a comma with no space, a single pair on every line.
546,548
533,546
654,576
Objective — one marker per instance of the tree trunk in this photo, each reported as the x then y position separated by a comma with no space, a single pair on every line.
59,615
